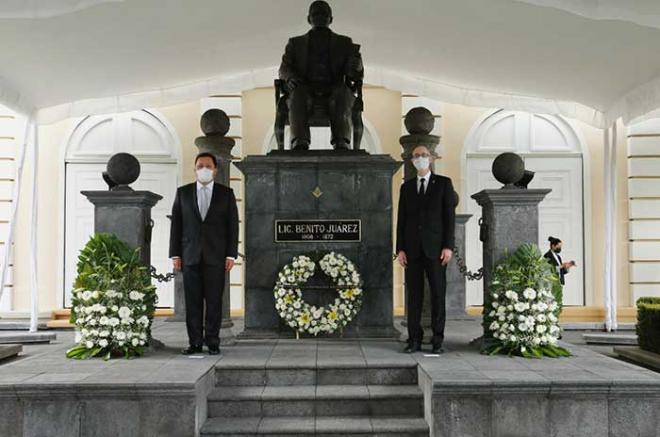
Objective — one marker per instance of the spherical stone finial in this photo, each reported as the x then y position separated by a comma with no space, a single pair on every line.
508,168
215,122
419,121
123,168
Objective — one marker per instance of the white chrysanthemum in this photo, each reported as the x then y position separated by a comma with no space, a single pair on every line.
529,293
124,312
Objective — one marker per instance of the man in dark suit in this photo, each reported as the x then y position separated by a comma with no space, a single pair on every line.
425,243
314,67
204,244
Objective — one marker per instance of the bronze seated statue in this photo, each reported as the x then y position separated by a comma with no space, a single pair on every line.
320,85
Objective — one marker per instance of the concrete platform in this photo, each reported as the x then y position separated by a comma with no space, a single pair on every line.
461,392
10,351
639,356
23,337
610,338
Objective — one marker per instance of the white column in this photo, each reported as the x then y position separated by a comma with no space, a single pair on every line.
34,307
610,265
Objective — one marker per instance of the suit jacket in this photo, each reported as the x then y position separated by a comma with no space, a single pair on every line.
211,240
561,271
294,60
426,225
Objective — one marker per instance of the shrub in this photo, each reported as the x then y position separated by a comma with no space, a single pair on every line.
648,323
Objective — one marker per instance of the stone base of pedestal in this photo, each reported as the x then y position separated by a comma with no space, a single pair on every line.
308,187
227,337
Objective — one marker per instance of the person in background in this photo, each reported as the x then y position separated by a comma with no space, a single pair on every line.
561,268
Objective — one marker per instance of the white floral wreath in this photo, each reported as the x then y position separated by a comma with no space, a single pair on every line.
303,317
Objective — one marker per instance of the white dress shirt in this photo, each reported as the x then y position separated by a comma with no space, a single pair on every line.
427,179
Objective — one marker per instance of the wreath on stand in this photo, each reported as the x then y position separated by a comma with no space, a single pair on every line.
306,318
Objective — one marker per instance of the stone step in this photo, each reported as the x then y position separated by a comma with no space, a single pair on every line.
260,376
309,426
320,401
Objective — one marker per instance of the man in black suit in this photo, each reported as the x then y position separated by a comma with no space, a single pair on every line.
425,243
204,244
314,67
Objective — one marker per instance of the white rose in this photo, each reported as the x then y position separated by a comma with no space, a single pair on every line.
95,294
541,329
135,295
89,344
536,341
523,327
104,333
495,305
86,295
78,337
103,342
120,335
135,342
513,338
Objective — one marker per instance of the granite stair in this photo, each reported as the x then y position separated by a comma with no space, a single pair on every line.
306,401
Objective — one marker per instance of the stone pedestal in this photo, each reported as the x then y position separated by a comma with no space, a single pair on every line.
455,298
512,218
126,214
318,185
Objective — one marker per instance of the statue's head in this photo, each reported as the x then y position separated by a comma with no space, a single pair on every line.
320,14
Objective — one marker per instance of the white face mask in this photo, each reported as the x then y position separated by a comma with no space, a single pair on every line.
421,162
204,175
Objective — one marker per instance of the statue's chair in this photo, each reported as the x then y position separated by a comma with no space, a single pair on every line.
318,116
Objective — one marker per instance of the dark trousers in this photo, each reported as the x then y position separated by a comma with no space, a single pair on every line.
340,100
436,275
203,283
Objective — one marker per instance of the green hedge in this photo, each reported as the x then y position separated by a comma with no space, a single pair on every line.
648,323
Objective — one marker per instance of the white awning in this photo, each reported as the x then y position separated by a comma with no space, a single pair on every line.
593,60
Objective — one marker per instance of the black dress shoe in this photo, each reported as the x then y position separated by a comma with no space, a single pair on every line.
437,349
412,347
214,350
190,350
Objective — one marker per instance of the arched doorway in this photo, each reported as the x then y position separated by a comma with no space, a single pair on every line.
94,139
551,148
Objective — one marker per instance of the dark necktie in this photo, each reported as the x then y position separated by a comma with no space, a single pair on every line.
421,187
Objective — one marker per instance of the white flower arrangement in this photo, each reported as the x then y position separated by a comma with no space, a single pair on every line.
520,314
530,323
305,318
113,304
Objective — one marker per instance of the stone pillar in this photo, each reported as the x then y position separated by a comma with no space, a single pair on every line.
121,210
215,125
179,297
455,301
512,218
126,214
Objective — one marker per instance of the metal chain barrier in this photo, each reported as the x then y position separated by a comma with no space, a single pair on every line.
160,277
479,274
464,270
167,277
